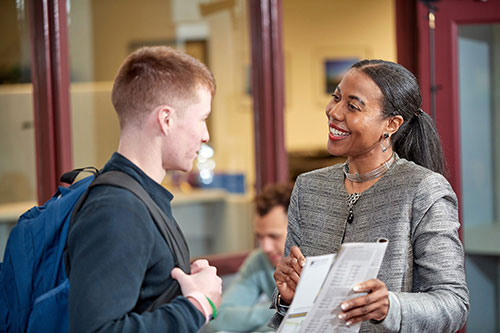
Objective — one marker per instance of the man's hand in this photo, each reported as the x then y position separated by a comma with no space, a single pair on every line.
203,278
198,265
374,305
287,274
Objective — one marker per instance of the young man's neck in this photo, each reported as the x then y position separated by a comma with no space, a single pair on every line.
144,153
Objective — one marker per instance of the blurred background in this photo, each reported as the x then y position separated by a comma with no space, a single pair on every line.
268,123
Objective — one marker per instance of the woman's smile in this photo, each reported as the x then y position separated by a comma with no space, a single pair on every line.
337,133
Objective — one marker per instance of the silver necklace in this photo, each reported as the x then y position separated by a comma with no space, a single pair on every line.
374,174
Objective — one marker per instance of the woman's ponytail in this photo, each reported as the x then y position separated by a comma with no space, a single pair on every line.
417,139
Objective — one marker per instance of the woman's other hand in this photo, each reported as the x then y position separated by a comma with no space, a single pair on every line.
374,305
287,274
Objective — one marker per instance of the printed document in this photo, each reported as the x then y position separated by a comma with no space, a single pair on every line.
325,282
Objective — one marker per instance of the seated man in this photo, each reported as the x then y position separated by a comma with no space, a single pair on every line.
245,305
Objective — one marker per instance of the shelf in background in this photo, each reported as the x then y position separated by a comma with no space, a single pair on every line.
10,212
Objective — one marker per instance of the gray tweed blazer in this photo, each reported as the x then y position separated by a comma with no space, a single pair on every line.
416,210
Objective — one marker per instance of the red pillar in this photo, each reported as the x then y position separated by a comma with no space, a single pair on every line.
50,77
268,92
406,34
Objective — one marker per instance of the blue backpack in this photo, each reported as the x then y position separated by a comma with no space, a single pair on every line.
34,287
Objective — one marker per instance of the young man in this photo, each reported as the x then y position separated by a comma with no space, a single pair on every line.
245,305
119,261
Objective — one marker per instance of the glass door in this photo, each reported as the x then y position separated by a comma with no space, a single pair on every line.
213,203
17,138
479,110
466,92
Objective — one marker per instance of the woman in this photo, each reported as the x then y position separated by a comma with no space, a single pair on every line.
391,186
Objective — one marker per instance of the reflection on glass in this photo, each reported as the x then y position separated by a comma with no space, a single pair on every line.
479,97
17,150
206,164
477,121
17,162
103,33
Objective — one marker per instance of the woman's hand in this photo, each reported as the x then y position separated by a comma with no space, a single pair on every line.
287,274
374,305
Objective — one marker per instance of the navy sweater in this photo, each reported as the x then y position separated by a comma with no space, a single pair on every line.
120,263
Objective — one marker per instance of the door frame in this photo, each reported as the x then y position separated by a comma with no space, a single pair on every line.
449,15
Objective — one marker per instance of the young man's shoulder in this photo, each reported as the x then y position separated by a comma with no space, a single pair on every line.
112,196
111,209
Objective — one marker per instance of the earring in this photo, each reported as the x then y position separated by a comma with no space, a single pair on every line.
385,139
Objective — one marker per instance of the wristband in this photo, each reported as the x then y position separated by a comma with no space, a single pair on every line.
204,303
280,308
214,309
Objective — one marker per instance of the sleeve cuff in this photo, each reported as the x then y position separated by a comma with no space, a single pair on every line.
280,308
392,321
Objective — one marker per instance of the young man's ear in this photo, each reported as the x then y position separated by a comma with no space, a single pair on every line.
164,115
393,124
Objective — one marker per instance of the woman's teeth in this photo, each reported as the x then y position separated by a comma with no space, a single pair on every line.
336,132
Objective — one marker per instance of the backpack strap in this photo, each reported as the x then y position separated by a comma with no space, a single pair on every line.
70,176
167,227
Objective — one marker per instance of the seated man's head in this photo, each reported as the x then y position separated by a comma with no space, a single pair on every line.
272,220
